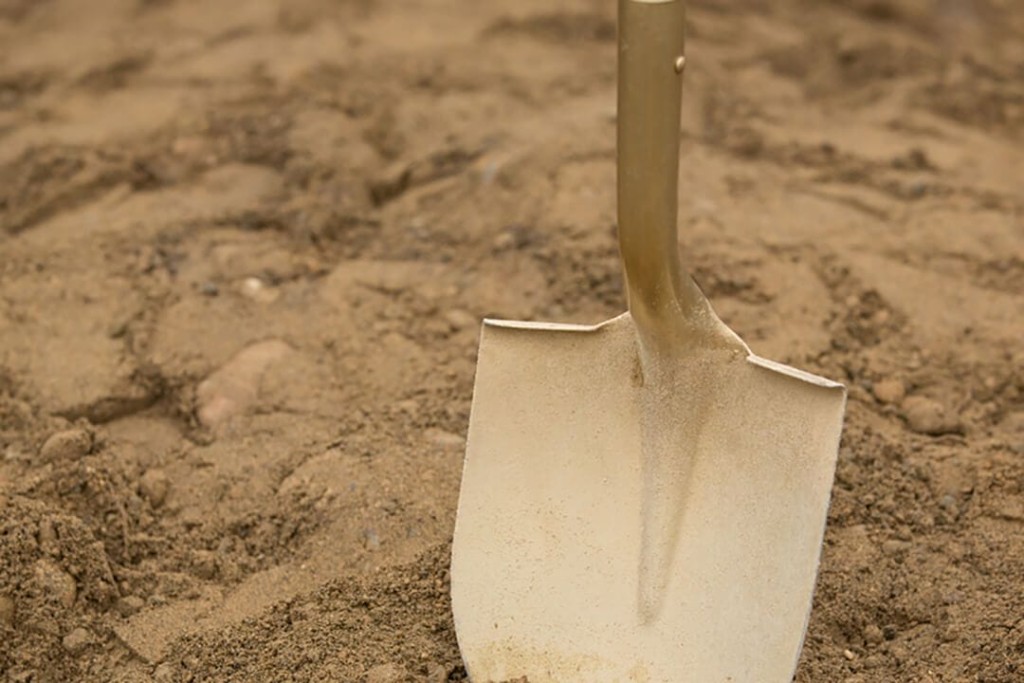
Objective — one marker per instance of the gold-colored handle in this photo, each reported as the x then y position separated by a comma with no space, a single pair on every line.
662,297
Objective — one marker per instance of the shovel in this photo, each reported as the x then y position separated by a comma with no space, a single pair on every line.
644,499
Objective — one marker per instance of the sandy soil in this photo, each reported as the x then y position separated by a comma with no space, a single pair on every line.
244,252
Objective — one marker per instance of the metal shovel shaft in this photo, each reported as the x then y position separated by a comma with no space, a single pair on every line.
665,304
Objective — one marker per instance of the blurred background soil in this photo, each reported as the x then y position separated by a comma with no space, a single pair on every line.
245,248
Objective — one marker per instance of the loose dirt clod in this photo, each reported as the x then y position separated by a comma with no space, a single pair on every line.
129,605
889,390
69,444
55,583
154,486
927,416
233,388
387,673
76,641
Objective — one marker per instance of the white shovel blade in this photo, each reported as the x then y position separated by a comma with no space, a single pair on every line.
547,550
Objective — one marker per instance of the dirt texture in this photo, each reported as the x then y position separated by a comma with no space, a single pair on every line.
245,248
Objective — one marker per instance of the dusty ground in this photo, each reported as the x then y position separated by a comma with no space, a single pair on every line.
245,248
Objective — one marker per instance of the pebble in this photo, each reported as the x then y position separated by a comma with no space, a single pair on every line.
926,416
889,390
1012,510
154,485
6,611
445,439
460,320
386,673
164,674
850,656
436,673
48,538
205,564
873,635
56,582
893,547
872,661
129,605
77,640
70,444
371,539
234,387
257,290
504,241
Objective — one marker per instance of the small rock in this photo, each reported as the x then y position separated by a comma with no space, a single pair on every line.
164,674
873,635
889,390
77,640
436,673
925,416
1012,509
209,289
893,547
257,290
205,563
6,611
371,539
234,387
460,320
953,597
70,444
948,503
504,241
445,439
48,538
153,485
129,605
57,583
409,406
386,673
850,656
872,661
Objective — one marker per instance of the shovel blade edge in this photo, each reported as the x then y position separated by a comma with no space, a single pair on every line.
547,546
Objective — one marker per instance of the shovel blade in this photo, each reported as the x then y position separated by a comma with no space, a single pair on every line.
547,554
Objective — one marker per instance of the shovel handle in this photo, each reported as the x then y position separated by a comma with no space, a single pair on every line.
662,297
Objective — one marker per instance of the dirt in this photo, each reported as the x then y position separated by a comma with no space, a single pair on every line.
244,252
